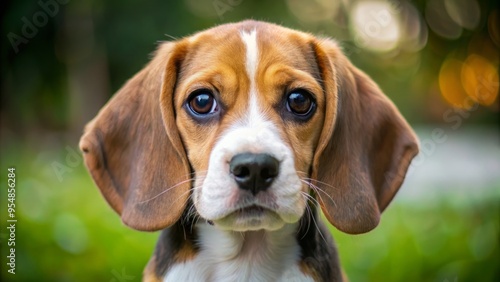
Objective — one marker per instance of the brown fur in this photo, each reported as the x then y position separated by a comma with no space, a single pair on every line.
365,148
142,146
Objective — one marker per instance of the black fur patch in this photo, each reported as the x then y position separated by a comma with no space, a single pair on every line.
319,252
172,240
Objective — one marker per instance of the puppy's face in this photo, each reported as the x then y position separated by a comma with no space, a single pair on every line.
258,113
250,109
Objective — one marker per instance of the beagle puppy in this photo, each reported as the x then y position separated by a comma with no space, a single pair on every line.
231,140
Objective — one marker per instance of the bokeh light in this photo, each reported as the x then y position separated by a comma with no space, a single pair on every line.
70,233
315,11
480,79
465,13
450,84
206,9
439,20
437,60
494,27
375,25
414,30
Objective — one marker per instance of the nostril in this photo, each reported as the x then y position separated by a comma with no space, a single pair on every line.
268,173
269,168
254,172
241,171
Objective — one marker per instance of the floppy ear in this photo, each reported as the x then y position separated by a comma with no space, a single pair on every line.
133,150
365,146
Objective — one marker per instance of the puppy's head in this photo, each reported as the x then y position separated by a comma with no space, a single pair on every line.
251,120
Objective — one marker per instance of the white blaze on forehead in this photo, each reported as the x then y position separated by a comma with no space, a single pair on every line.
251,63
252,133
252,52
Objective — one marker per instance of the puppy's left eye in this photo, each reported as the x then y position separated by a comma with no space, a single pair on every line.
300,102
202,102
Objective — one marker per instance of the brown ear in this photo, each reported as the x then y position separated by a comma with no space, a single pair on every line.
365,147
134,153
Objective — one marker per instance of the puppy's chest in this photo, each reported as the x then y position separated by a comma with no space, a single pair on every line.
197,270
255,256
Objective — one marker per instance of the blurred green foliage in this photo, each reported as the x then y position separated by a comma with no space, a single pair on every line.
56,81
444,241
66,232
65,229
88,41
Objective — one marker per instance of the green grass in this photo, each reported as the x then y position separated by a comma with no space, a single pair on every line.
442,241
66,232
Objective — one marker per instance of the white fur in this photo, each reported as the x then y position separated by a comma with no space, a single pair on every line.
235,256
252,53
263,248
254,115
219,194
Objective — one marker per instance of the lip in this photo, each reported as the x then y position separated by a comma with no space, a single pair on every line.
247,212
251,211
249,217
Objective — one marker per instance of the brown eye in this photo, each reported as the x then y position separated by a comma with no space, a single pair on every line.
300,102
202,102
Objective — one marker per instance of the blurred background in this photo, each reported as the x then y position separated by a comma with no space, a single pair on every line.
438,60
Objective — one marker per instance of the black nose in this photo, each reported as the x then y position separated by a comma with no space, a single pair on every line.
254,172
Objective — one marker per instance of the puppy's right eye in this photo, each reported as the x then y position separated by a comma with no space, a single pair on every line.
202,102
300,103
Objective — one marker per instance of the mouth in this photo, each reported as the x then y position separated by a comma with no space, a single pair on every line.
251,211
252,217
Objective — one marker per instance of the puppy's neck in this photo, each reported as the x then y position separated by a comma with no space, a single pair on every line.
254,247
189,251
252,255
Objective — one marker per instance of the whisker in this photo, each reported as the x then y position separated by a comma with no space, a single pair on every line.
321,182
188,191
312,186
190,213
171,36
166,190
317,189
315,180
176,185
313,217
195,221
319,231
310,198
308,210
